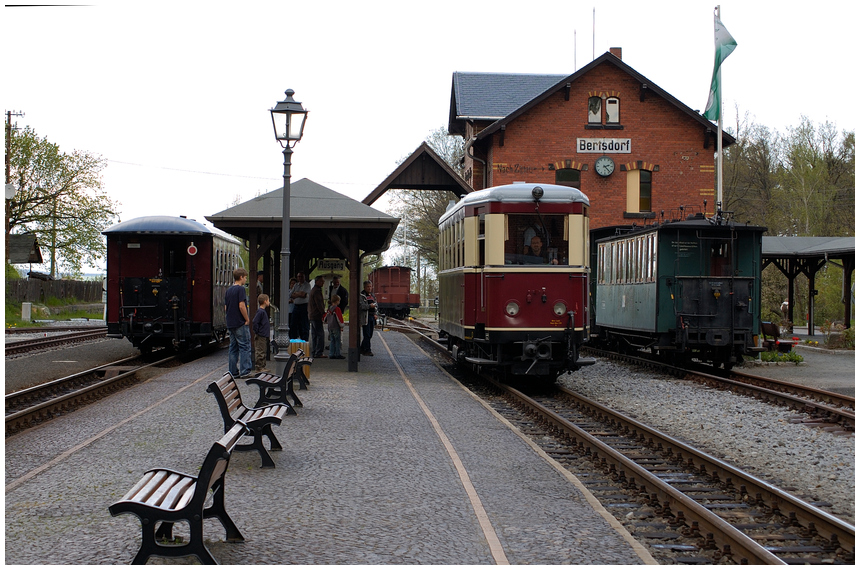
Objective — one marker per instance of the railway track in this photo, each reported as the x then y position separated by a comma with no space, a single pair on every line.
40,403
53,339
31,406
686,505
827,410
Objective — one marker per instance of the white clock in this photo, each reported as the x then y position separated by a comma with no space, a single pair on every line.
604,166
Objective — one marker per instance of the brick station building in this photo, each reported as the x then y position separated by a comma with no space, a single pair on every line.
631,147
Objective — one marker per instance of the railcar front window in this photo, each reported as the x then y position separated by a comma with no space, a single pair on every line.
536,239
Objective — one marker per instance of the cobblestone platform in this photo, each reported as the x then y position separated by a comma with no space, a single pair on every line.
395,464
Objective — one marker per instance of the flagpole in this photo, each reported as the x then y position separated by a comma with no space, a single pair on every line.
719,203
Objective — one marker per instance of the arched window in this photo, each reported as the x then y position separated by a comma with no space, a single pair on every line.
639,193
567,177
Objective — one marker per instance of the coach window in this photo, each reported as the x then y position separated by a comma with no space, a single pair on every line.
567,177
595,105
482,242
613,113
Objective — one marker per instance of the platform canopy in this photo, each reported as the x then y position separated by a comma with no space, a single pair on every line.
806,255
320,220
323,224
424,169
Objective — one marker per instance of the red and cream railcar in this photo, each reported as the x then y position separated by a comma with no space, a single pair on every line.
166,281
513,279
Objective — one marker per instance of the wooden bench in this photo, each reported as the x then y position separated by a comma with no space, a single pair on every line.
774,343
275,389
258,420
169,496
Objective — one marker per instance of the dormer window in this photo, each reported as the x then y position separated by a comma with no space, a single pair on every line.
604,111
613,110
595,105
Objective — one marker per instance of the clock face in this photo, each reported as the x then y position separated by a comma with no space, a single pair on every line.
604,166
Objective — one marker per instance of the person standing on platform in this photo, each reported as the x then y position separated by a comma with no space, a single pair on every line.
367,317
316,312
261,276
299,295
341,292
262,329
236,304
290,305
334,324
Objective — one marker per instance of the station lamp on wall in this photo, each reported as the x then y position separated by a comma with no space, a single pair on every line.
288,120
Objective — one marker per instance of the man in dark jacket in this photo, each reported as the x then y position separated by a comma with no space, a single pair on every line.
340,291
316,312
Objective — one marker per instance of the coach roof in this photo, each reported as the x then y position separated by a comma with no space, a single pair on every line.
159,225
520,192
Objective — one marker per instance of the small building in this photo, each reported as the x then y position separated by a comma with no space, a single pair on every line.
24,248
631,147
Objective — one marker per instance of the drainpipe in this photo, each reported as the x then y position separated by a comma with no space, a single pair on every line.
473,157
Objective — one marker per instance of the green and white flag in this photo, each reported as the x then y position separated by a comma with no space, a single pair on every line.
725,44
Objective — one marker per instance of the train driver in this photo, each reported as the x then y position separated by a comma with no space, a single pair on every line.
535,252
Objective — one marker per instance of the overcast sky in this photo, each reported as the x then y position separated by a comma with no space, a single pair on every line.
175,95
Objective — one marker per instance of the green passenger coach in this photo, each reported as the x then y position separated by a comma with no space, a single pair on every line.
682,290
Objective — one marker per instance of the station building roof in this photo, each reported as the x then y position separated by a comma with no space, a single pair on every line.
502,97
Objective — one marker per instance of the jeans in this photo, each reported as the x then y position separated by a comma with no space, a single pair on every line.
367,332
239,355
300,326
317,338
334,347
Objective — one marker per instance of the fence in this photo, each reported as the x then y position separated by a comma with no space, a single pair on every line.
36,291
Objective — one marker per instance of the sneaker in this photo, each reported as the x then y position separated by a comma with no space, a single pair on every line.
339,357
247,375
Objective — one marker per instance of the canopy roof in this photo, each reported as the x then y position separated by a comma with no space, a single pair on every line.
786,247
317,214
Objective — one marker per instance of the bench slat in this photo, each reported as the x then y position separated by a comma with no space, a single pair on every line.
149,487
179,495
158,495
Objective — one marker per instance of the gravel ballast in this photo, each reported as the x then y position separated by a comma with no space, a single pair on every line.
757,437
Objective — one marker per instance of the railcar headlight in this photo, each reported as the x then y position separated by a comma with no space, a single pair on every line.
512,308
559,308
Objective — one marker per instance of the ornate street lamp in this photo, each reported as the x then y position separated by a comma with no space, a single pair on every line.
288,120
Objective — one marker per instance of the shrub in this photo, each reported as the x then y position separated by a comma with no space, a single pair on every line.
781,357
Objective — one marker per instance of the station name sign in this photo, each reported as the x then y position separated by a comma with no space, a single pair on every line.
332,265
606,146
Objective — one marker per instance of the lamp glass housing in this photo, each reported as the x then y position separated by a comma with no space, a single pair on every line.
288,120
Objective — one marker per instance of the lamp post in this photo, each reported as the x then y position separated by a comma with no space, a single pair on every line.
288,120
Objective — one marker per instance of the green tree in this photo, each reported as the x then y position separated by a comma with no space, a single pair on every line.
796,184
419,210
817,181
749,172
60,199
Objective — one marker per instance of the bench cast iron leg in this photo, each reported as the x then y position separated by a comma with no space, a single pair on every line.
218,511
